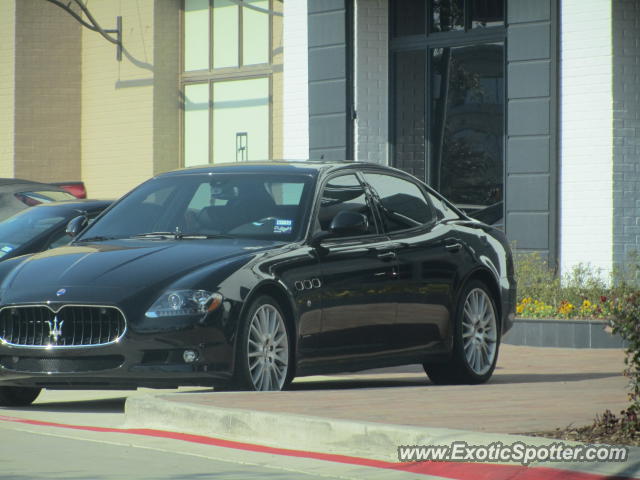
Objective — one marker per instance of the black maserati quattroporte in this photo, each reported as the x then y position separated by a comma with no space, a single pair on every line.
246,275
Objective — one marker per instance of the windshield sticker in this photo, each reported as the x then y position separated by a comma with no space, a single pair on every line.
283,226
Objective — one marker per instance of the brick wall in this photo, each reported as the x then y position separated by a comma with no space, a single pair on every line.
7,85
296,77
47,93
626,128
371,80
586,176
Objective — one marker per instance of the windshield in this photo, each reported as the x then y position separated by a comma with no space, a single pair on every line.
25,226
238,205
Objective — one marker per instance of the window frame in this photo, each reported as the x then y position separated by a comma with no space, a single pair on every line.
427,43
213,75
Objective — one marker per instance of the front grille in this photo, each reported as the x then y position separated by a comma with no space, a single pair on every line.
71,326
61,365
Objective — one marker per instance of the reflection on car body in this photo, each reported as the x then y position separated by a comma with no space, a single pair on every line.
250,274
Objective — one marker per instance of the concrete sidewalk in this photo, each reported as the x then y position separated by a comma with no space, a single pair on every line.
369,414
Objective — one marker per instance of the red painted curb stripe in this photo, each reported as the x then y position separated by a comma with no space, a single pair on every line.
453,470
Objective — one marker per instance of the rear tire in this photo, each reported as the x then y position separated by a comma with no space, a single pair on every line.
18,396
264,354
476,340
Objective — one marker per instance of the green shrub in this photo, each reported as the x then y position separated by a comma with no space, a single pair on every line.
583,292
626,323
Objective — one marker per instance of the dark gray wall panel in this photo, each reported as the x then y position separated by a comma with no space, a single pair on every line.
528,154
325,133
327,25
529,230
529,117
330,97
532,121
328,79
528,11
529,42
528,192
327,63
322,6
529,79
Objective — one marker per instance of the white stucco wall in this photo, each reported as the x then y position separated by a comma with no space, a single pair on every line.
586,134
296,74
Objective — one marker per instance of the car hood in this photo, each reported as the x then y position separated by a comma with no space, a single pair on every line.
112,268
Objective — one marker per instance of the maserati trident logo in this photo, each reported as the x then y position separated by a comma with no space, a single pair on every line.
55,329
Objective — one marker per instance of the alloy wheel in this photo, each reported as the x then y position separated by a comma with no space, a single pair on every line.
479,331
268,349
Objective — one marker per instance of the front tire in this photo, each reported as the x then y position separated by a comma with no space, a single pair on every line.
263,351
476,340
18,396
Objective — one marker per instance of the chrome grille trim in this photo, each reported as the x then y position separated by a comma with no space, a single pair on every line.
24,328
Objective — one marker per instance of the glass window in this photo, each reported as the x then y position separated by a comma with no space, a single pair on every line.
344,193
285,193
238,205
196,35
255,32
402,203
409,111
226,28
408,17
487,13
241,120
467,128
227,85
447,15
196,124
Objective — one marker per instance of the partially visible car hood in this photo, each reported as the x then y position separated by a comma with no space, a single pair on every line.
117,267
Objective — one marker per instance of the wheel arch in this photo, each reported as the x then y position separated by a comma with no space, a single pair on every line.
285,301
487,278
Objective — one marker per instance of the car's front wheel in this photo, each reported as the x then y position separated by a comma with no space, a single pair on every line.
18,396
476,340
264,359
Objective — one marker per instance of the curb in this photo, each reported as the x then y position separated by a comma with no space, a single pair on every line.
366,440
562,334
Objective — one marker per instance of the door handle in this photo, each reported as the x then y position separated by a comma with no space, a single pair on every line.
453,246
386,256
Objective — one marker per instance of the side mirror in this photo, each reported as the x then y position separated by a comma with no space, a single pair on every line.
347,223
76,225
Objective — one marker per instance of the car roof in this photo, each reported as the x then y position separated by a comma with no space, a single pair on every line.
313,167
20,183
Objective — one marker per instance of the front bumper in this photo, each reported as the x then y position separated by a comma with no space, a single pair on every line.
138,359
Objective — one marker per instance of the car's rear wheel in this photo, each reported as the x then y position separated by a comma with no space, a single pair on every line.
264,353
18,396
476,340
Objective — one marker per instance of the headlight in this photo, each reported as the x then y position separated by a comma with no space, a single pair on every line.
180,303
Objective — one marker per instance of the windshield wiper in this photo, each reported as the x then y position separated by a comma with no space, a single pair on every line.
181,236
97,238
175,235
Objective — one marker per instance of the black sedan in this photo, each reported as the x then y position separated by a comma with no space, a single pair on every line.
43,226
246,275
